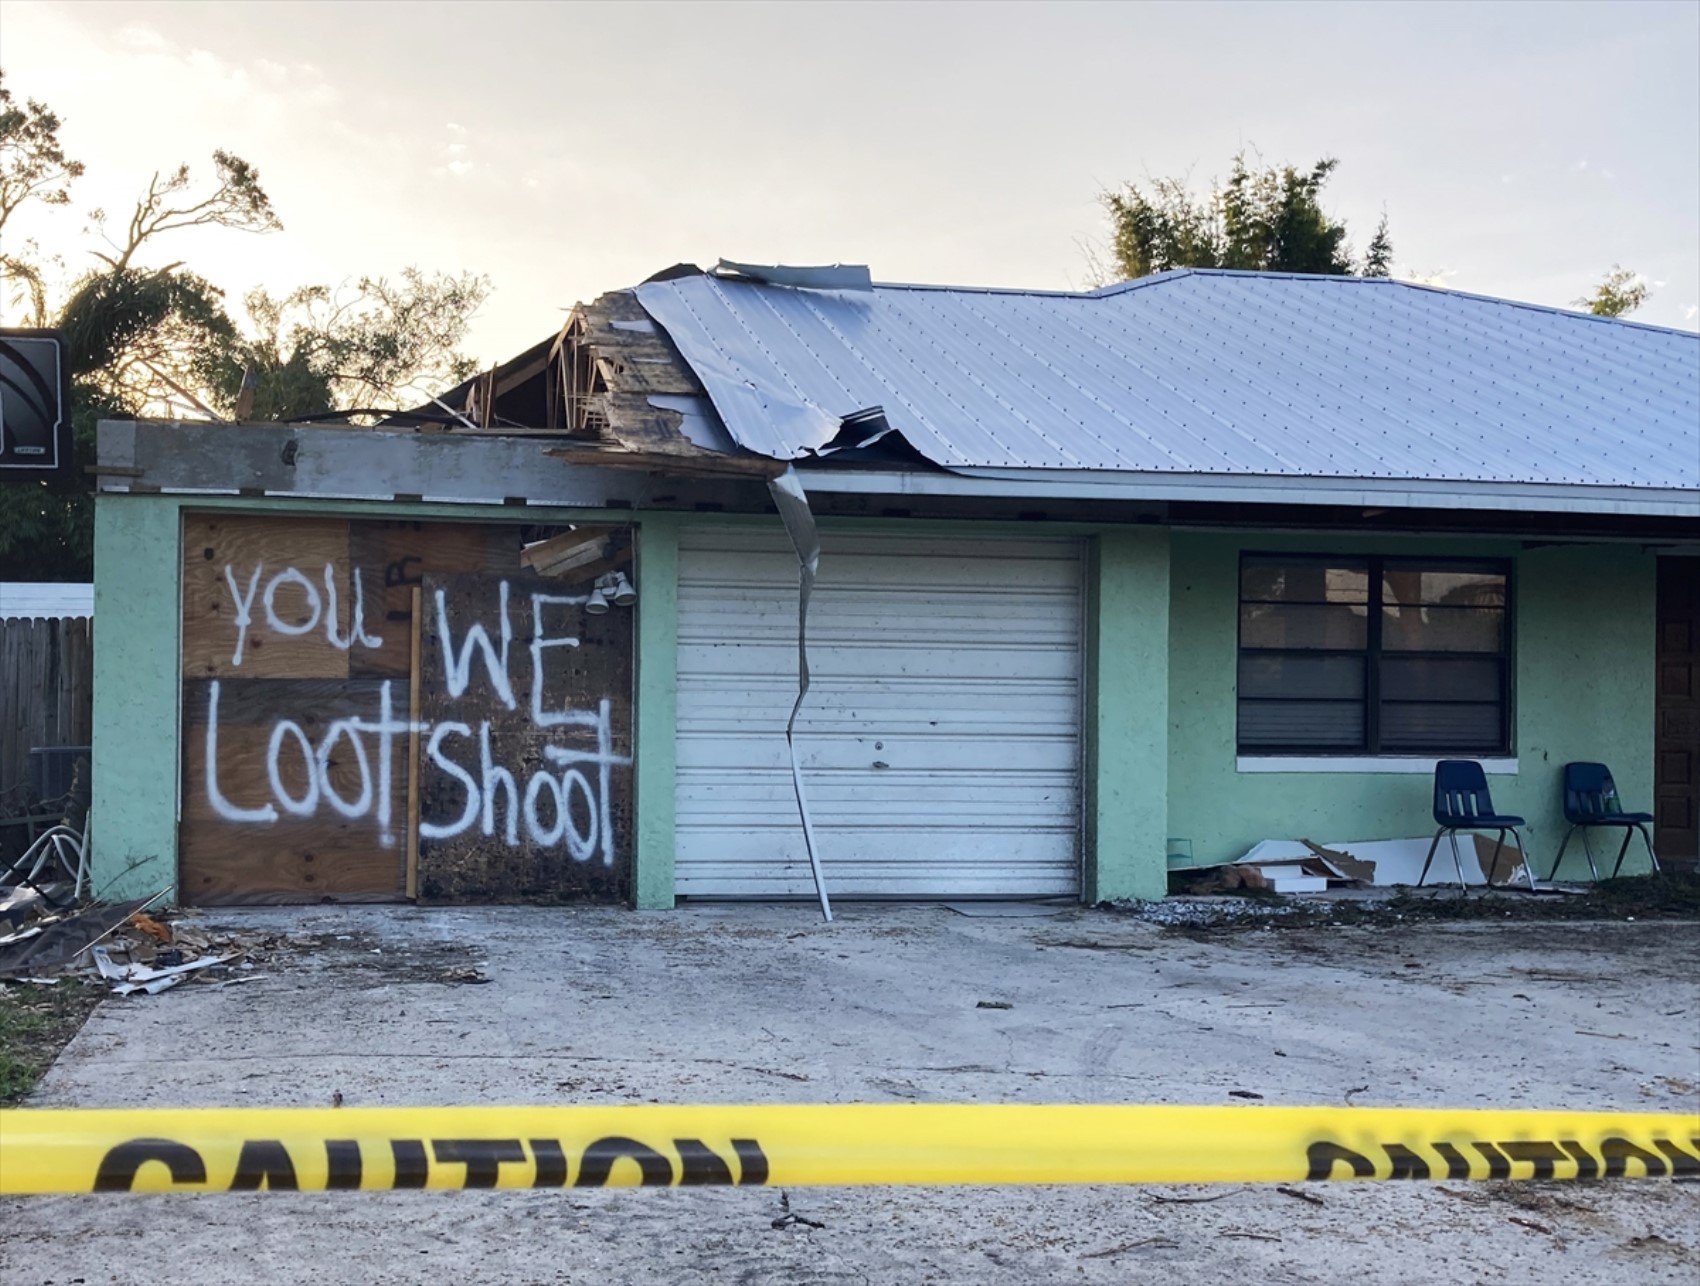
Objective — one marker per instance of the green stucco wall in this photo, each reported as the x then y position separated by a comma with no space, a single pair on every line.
657,684
1126,712
133,811
1583,628
1585,639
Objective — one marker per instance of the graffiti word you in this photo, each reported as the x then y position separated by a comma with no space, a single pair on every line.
318,609
566,804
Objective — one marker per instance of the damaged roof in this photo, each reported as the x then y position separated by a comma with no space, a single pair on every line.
1203,374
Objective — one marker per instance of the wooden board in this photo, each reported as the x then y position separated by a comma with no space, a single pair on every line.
413,747
239,841
266,597
395,555
492,791
305,624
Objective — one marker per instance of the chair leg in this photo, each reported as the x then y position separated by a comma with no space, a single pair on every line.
1646,837
1528,864
1493,862
1458,862
1588,848
1622,849
1559,860
1424,876
1652,857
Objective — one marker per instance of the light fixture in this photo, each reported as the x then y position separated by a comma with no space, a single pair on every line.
610,587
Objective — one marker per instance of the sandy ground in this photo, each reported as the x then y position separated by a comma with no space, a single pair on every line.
750,1004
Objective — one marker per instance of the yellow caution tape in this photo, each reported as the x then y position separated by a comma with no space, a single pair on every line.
315,1149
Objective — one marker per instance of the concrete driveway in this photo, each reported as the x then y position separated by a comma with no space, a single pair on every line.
765,1004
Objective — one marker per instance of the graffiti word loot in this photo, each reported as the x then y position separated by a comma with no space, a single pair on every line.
565,804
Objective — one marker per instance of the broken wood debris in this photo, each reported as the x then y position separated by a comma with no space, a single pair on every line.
1154,1243
130,949
1304,866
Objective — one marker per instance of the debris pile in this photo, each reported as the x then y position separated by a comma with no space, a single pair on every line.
124,943
1304,866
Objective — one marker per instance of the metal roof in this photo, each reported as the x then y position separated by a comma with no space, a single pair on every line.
1214,375
49,599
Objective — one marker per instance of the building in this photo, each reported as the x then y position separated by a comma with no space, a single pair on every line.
1209,557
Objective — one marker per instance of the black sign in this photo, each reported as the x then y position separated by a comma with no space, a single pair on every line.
35,405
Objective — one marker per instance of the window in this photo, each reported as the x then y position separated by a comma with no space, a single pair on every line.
1394,656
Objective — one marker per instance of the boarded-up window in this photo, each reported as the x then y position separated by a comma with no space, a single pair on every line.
338,745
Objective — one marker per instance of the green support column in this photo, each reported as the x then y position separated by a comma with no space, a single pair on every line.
1127,715
133,817
657,692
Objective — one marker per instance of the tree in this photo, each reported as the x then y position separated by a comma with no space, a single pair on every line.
361,345
32,161
144,340
1619,293
237,201
33,164
1266,219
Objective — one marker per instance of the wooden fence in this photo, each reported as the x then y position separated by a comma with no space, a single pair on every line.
46,692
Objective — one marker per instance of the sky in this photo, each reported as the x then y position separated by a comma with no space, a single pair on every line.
565,150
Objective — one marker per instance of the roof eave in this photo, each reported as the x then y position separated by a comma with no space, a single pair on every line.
1508,497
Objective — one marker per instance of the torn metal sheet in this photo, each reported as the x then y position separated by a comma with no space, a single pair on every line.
748,377
128,978
832,276
799,520
19,904
697,420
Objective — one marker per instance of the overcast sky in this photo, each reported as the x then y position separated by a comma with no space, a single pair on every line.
568,149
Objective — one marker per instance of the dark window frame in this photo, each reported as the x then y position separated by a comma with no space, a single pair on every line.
1373,655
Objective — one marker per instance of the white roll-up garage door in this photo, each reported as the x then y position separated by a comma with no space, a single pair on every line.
941,738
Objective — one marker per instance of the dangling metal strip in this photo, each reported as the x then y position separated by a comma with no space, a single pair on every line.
794,512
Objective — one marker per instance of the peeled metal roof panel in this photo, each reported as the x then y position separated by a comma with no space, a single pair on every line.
1202,372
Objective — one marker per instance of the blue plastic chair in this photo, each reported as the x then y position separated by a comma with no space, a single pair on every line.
1590,799
1462,803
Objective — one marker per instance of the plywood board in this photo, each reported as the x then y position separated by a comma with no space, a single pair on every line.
395,555
302,663
266,597
525,788
271,813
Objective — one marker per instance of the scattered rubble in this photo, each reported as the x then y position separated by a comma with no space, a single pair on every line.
1304,866
1199,903
131,946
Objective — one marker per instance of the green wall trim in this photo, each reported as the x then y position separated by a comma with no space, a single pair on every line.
137,749
1126,715
656,698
